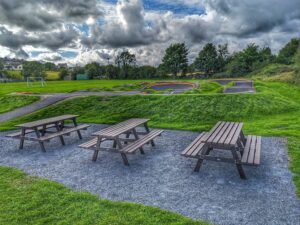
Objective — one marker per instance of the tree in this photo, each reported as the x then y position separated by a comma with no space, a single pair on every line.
50,66
1,65
297,57
247,60
33,69
287,53
63,73
207,60
175,59
92,69
147,72
124,61
223,56
111,72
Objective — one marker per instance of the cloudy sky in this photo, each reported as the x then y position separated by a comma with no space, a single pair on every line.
81,31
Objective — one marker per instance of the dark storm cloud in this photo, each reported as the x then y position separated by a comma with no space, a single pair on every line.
51,40
45,14
255,16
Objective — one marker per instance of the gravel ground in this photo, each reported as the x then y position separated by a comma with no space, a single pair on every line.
165,179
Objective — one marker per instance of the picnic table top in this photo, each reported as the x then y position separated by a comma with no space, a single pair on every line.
47,121
120,128
224,133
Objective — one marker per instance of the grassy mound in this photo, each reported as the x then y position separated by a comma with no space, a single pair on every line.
52,75
175,111
8,103
279,73
29,200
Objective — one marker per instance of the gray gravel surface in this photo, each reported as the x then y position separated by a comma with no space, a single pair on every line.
165,179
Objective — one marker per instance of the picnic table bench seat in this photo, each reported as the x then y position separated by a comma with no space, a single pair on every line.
132,147
195,148
64,132
252,150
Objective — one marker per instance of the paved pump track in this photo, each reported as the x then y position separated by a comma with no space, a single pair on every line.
165,179
240,86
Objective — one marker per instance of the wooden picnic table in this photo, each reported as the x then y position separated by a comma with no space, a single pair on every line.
230,137
41,128
120,144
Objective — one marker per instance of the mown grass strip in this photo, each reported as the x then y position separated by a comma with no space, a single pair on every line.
29,200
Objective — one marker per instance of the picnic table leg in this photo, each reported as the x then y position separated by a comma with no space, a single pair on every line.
61,136
22,138
127,136
78,131
148,131
115,144
40,142
240,146
43,131
201,158
96,152
124,157
136,137
238,164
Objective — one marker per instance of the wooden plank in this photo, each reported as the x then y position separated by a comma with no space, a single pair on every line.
247,149
89,144
194,144
252,150
226,133
215,131
118,129
47,121
237,134
221,133
257,152
132,147
142,141
198,149
231,134
66,131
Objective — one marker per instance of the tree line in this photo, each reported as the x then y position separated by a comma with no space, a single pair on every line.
212,60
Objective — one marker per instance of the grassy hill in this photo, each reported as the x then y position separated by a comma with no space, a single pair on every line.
279,72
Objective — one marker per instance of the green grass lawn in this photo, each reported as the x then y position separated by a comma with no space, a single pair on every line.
9,103
29,200
95,85
62,86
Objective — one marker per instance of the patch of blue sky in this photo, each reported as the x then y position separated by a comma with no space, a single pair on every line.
68,54
35,53
175,7
84,28
65,54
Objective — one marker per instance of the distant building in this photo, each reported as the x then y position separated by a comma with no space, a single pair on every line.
12,64
63,65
